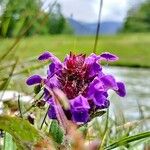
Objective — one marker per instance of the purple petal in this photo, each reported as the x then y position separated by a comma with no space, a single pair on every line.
109,57
51,69
35,79
96,85
51,112
92,59
52,82
79,102
54,68
94,69
47,95
81,116
49,56
45,56
109,82
121,89
99,99
105,105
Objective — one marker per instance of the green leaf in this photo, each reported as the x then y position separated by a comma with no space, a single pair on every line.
24,134
128,139
8,142
56,132
37,89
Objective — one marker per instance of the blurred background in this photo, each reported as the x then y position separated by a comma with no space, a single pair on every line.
29,27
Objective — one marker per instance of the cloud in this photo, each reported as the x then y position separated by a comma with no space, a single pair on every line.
87,10
114,10
82,10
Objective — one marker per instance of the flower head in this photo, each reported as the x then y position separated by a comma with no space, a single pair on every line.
83,82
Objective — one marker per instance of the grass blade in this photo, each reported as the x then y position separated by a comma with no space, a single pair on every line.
128,139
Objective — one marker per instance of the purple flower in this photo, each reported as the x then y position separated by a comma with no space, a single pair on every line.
83,82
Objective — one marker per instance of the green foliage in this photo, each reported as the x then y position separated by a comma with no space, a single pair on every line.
17,17
24,134
56,132
26,18
37,89
56,21
57,24
138,19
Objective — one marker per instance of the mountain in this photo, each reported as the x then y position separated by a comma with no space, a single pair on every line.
107,27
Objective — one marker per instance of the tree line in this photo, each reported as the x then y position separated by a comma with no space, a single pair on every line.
26,18
138,18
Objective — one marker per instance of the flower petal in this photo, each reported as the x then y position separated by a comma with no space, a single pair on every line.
121,89
45,56
54,68
99,99
109,57
49,56
47,95
96,85
79,102
94,69
92,59
109,82
52,82
35,79
51,112
80,116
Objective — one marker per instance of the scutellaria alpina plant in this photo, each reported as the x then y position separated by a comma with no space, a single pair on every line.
83,82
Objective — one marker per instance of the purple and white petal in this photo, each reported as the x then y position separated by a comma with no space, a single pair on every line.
35,79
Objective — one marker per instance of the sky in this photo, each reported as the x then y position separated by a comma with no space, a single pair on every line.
87,10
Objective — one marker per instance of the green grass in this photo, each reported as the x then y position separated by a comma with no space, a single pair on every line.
133,49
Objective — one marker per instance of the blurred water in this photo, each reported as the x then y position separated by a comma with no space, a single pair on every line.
137,81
